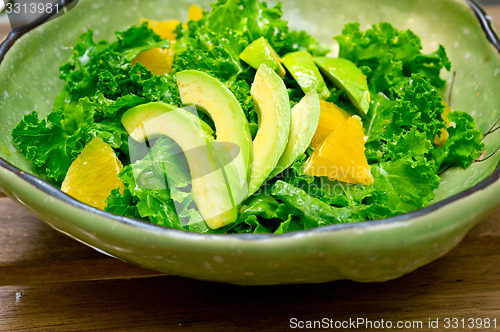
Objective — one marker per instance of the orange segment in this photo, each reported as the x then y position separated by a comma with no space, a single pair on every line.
195,13
342,154
440,140
164,29
94,174
158,60
330,118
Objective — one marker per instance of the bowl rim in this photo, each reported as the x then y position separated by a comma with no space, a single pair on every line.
486,24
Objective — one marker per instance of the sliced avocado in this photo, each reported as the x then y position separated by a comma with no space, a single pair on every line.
305,118
260,52
215,191
348,77
231,124
303,69
273,108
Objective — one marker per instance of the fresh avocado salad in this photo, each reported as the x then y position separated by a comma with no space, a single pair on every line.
231,122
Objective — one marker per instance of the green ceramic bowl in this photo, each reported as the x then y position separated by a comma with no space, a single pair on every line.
366,251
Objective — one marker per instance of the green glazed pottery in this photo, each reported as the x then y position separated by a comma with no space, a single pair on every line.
366,251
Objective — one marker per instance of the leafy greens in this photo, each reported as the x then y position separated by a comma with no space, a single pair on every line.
406,114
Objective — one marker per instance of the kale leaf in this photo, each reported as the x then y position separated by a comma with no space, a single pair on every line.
387,55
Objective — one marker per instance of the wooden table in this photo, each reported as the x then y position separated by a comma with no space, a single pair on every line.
49,282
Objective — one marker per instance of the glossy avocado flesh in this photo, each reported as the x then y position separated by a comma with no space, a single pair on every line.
348,77
273,108
303,69
304,121
215,180
231,124
260,52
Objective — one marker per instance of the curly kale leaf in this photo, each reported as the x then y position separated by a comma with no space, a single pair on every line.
387,55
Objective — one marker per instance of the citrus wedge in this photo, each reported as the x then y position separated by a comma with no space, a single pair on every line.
330,118
195,13
93,174
342,154
158,60
164,29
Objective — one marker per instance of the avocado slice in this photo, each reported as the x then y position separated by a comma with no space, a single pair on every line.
273,109
305,119
348,77
303,69
260,52
231,124
216,190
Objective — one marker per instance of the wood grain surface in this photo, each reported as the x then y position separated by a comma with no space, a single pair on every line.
49,282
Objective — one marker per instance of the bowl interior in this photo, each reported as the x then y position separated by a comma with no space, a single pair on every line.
30,81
